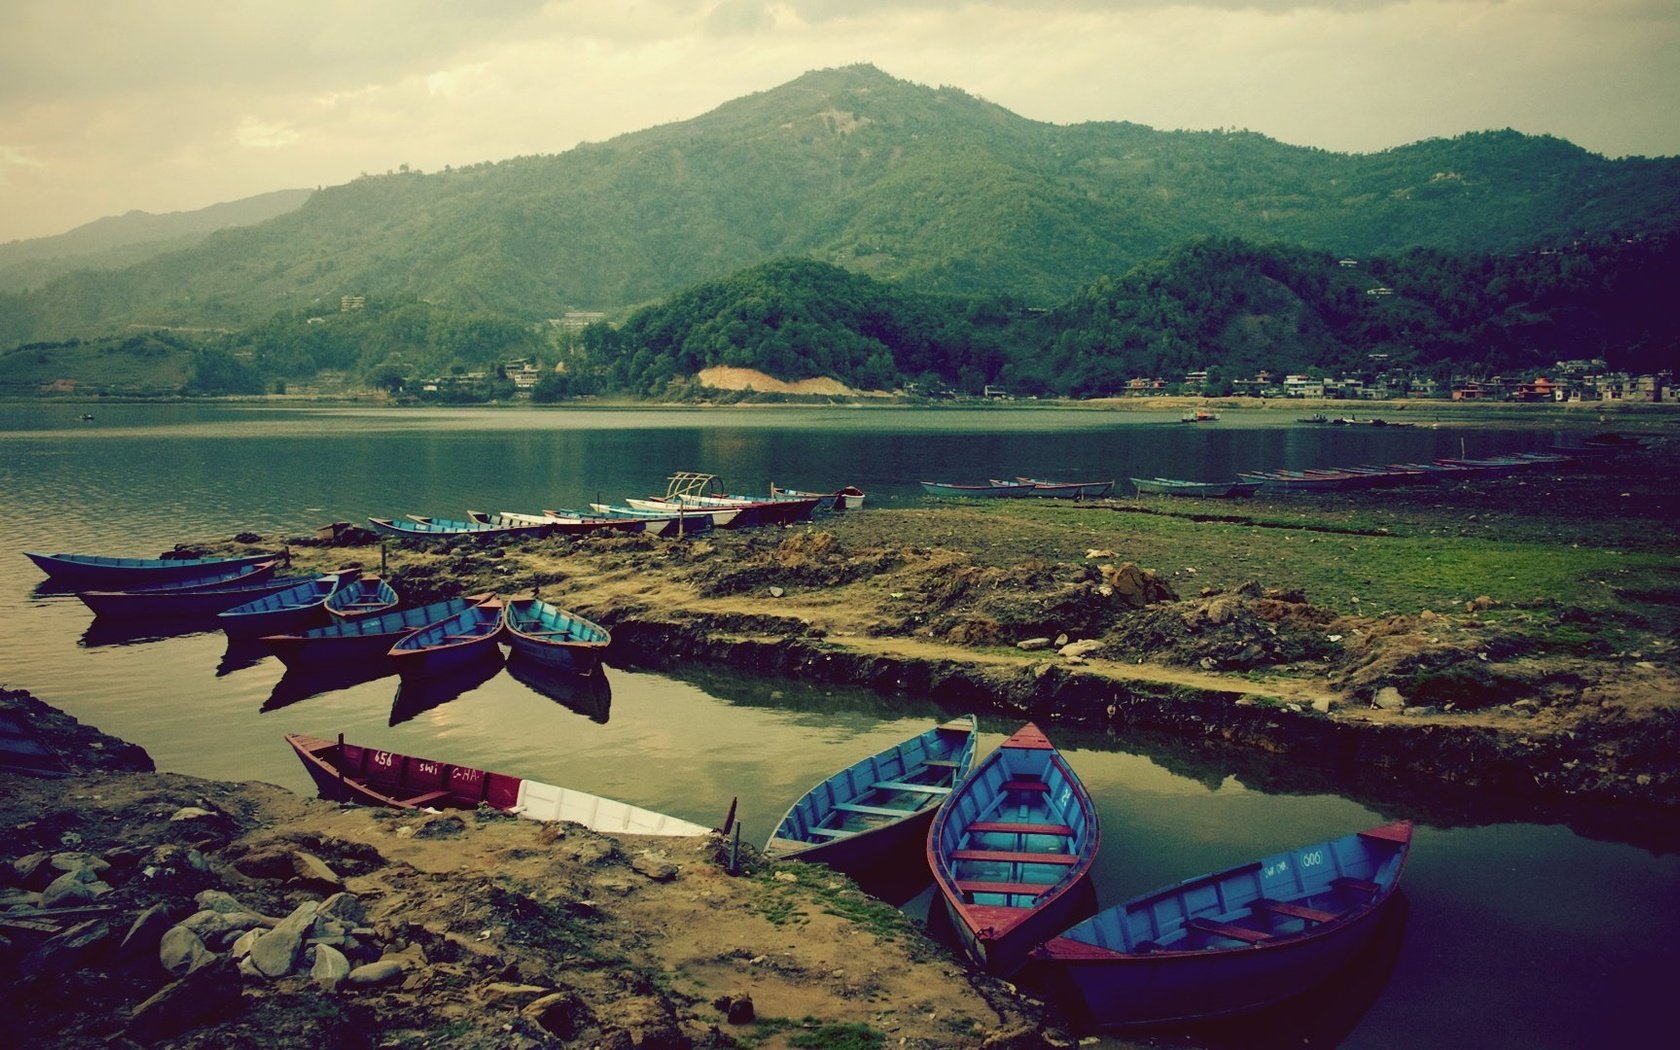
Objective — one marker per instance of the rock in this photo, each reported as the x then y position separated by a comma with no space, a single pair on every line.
1322,705
76,860
205,995
386,971
736,1009
1388,698
331,968
73,888
65,952
275,953
1137,587
243,943
144,933
1033,644
1061,640
218,900
561,1013
33,872
1081,648
344,907
190,813
656,868
181,951
315,872
776,592
507,993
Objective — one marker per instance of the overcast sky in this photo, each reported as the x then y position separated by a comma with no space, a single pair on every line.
170,105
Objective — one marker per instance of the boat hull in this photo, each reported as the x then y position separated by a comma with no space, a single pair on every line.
368,776
545,634
1000,491
94,572
1011,851
451,645
1232,941
362,639
899,789
292,609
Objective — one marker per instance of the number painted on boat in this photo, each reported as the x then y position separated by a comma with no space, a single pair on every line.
1312,859
384,758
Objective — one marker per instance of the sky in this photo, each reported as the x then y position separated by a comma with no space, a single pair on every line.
108,106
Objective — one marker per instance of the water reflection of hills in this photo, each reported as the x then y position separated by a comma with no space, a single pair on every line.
416,696
589,695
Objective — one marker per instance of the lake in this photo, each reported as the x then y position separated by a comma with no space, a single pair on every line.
1515,933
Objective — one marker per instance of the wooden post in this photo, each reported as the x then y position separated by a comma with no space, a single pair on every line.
735,850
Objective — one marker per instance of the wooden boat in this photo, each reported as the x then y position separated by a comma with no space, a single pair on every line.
1234,940
439,528
849,498
555,522
548,634
1200,415
1204,489
693,490
363,639
1294,480
722,517
301,605
671,524
1011,851
366,595
1068,489
194,596
544,527
866,815
351,773
97,572
995,490
446,645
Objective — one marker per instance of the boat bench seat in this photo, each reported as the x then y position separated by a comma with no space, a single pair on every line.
424,798
1032,889
1294,911
900,785
874,811
1024,785
1020,829
942,763
1225,929
1011,857
831,833
1352,885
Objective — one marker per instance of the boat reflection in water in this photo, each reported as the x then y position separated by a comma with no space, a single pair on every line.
301,683
241,653
103,632
418,694
590,695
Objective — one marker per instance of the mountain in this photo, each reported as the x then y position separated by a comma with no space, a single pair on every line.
930,188
120,241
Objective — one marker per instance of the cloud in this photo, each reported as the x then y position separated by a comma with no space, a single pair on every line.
256,134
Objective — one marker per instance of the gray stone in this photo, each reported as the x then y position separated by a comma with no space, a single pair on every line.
72,888
241,947
344,907
656,868
190,813
1388,698
507,993
34,871
181,951
314,870
1033,644
1322,705
1080,648
74,860
561,1013
331,967
275,953
385,971
218,900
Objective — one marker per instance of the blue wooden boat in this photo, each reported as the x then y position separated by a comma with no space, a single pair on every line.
97,572
548,634
996,490
363,639
564,522
1011,851
1234,940
366,595
298,606
869,815
450,645
195,596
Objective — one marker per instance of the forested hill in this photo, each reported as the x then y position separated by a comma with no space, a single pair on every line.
930,188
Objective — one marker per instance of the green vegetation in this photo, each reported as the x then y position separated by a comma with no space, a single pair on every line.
931,190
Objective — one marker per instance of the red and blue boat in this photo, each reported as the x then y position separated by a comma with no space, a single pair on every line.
1011,851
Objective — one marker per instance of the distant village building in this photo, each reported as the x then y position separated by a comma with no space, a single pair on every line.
577,320
347,303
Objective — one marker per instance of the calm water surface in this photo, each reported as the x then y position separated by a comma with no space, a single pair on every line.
1515,933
